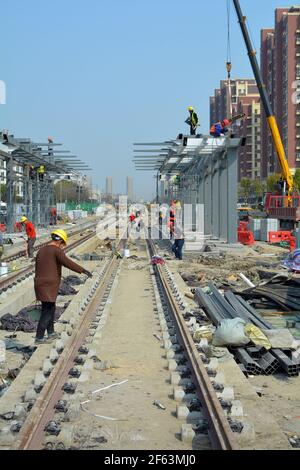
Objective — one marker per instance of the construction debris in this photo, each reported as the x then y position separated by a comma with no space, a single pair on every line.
26,320
256,361
280,291
159,405
157,260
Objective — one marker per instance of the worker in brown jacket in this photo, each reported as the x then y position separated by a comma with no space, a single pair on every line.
49,262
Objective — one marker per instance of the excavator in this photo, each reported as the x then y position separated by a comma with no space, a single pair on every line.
285,207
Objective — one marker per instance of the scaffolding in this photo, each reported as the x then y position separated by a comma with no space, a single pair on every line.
23,158
205,171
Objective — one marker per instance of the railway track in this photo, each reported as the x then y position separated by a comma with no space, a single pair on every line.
220,433
22,274
76,347
22,253
32,434
70,347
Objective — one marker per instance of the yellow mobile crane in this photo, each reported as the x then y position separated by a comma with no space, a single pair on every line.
285,208
285,170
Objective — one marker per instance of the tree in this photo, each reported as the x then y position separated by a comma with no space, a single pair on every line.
297,179
258,188
3,192
245,187
67,191
272,185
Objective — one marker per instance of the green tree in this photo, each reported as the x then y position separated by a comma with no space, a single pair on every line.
245,188
297,179
272,185
67,191
258,188
3,192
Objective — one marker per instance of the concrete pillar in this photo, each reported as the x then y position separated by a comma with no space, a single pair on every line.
208,202
215,200
232,191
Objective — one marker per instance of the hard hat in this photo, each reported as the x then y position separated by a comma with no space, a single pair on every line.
60,234
23,219
190,108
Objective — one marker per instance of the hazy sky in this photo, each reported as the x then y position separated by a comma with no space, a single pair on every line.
99,75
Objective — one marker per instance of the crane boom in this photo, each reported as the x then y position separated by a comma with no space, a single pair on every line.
285,170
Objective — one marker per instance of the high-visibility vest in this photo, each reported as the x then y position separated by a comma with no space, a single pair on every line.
41,169
194,119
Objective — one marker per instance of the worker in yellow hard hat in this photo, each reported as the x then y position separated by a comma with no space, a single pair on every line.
48,268
60,235
192,120
31,235
41,171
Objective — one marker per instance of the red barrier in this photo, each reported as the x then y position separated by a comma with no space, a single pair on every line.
246,237
279,236
292,243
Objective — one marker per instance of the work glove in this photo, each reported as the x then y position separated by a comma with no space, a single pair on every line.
88,273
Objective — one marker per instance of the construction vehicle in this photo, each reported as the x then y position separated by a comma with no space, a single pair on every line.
285,206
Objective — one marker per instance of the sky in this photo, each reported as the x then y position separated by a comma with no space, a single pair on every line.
100,75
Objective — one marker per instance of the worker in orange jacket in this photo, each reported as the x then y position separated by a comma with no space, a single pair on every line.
222,127
31,234
172,218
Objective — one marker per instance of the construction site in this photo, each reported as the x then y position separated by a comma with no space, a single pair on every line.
171,324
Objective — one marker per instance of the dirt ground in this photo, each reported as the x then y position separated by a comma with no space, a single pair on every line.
129,344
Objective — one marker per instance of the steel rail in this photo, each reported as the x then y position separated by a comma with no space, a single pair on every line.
220,433
31,435
7,282
22,253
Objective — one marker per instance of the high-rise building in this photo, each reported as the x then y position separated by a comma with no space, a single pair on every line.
249,156
226,98
280,64
241,97
109,185
129,188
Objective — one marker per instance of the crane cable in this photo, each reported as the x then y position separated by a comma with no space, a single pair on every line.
228,63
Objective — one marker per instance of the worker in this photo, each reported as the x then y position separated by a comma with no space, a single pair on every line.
281,185
31,172
219,129
50,148
31,234
178,241
172,218
132,218
53,216
41,172
5,136
48,267
192,120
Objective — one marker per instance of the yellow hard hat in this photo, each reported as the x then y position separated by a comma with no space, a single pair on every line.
61,234
23,219
190,108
